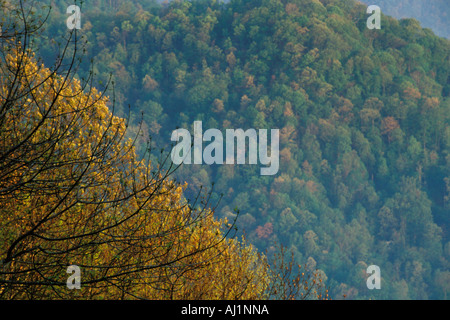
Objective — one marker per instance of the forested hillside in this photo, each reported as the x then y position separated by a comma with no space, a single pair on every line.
363,115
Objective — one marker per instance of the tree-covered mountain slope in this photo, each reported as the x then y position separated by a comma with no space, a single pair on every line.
363,115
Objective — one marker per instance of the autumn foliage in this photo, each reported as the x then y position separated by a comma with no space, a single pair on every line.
72,191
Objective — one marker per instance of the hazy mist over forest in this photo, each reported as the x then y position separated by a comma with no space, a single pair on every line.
432,14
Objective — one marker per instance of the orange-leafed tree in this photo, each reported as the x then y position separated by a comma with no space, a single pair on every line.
73,192
292,281
388,125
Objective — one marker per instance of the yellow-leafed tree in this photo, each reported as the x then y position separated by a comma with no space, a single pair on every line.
72,192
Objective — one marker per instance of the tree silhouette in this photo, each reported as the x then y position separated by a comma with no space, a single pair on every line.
73,192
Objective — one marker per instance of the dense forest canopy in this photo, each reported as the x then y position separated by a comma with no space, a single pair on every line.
363,116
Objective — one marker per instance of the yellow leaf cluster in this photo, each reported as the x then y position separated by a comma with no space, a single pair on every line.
73,192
